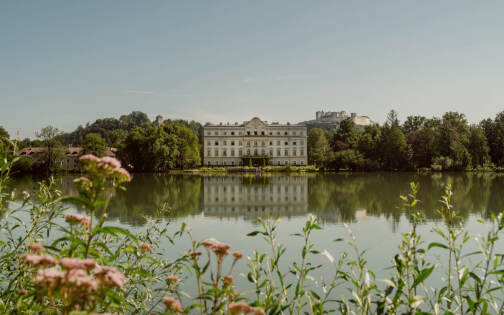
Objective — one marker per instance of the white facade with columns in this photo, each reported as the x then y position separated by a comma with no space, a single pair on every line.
226,144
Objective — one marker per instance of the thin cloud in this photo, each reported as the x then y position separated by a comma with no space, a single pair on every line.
139,92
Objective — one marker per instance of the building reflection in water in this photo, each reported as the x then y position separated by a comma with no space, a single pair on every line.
252,197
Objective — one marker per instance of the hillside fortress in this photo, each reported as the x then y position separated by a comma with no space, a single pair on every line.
332,120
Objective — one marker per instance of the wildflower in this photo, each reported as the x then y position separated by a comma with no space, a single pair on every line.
80,278
221,250
123,174
237,255
145,247
83,180
89,158
51,277
73,218
110,162
110,276
35,260
207,244
172,304
228,281
35,247
172,279
239,308
76,263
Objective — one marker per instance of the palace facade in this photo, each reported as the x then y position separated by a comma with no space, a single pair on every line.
254,142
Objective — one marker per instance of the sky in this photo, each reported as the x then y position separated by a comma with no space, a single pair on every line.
65,63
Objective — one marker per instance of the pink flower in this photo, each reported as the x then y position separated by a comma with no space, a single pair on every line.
123,174
50,277
237,255
256,311
171,279
221,249
82,179
76,263
145,247
207,244
80,278
35,260
112,162
89,158
73,218
172,304
239,308
110,276
228,281
35,247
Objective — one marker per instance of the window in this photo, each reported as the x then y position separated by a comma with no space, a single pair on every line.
271,142
270,133
240,143
279,152
248,143
286,152
278,133
262,143
294,133
302,142
209,143
232,152
255,132
232,142
216,133
216,142
216,152
302,151
224,142
286,143
294,164
224,152
225,133
271,152
240,152
262,133
209,153
232,133
293,152
278,142
248,133
248,152
294,143
255,152
286,133
263,152
255,143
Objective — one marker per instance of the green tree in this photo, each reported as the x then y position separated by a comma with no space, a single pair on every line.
94,144
413,124
54,150
395,151
5,144
478,146
494,133
318,147
345,134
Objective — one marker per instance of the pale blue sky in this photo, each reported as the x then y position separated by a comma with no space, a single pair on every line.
65,63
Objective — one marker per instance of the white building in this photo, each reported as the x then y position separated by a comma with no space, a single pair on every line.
256,140
332,120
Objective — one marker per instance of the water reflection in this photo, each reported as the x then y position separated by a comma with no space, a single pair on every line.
334,198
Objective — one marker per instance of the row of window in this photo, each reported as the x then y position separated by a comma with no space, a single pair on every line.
254,133
232,163
254,143
255,152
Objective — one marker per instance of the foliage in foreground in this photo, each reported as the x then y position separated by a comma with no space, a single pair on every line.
55,262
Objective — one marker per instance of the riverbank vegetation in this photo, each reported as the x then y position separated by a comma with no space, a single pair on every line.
449,143
58,261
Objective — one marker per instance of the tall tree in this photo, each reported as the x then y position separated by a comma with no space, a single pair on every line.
395,152
94,144
5,144
54,150
318,147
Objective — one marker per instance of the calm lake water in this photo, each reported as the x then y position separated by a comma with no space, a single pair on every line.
226,208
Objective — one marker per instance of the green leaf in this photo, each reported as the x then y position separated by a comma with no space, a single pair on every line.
424,274
435,244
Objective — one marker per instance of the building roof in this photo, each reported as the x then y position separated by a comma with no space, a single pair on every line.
256,119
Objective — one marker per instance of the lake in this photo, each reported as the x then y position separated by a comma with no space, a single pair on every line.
227,207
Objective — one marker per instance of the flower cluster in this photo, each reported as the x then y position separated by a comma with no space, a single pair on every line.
72,278
172,304
107,166
145,247
244,308
73,219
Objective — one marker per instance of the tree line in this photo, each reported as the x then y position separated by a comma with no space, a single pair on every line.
446,143
141,144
